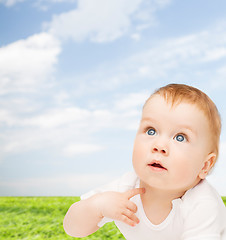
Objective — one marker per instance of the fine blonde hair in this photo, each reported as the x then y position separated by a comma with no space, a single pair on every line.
177,93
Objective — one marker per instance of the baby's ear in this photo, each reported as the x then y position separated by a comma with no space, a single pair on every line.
207,165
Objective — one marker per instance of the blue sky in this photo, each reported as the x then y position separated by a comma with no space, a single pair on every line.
74,75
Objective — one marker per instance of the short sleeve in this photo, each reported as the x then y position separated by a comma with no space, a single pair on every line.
112,186
122,184
127,181
204,221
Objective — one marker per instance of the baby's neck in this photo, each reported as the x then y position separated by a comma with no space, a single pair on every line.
157,203
160,195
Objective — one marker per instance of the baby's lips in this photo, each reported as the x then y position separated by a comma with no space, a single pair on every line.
156,163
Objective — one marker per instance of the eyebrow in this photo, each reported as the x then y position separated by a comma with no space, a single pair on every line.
187,127
147,119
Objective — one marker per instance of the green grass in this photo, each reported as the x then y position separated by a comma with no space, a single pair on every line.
224,199
37,218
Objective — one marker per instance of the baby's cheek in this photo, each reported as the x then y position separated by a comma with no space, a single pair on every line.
185,173
139,149
139,156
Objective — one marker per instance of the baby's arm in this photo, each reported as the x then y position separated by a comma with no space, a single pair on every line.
83,217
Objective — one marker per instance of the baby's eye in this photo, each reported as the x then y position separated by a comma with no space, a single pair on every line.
151,132
181,138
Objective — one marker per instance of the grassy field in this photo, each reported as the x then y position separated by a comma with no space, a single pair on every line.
39,218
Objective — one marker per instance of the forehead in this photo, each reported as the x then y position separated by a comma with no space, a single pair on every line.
179,113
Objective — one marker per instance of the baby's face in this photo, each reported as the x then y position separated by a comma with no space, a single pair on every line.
171,146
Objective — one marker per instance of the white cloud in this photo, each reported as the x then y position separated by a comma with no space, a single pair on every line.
27,64
136,36
180,59
172,57
172,53
70,122
103,21
6,118
42,4
58,117
45,5
80,149
56,1
67,185
10,3
98,20
70,130
131,101
215,54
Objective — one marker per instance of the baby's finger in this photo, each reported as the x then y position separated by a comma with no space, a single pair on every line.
129,217
131,193
127,220
132,206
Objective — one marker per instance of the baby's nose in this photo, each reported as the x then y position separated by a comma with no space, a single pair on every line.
163,151
160,146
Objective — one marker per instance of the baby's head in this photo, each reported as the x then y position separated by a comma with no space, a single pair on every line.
177,142
178,93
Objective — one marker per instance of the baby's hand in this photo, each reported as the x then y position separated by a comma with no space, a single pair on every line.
117,206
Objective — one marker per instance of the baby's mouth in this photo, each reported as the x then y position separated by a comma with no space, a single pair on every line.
157,165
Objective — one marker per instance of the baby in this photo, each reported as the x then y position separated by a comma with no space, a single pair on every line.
167,196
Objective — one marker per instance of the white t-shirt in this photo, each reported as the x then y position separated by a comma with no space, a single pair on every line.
199,215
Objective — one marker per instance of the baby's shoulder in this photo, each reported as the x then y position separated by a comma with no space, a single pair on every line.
203,211
128,181
202,191
202,196
123,183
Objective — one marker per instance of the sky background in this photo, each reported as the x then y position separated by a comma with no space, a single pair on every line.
74,75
